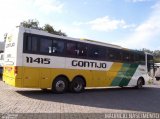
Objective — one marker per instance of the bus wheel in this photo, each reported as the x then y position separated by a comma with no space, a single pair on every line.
77,85
139,83
60,85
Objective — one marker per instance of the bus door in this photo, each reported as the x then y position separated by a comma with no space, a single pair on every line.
150,65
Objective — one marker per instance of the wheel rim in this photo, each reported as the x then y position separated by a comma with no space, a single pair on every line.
60,86
77,87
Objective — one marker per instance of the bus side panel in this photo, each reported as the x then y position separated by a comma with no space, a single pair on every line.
140,72
31,77
128,75
120,74
46,77
99,78
71,74
105,78
13,75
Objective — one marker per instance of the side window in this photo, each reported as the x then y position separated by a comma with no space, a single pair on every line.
97,52
82,50
139,58
58,47
45,45
125,56
34,44
132,59
142,59
71,49
31,44
114,54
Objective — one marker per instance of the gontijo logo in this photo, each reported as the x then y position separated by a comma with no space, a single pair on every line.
9,38
10,43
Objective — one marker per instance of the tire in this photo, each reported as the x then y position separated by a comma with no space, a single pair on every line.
77,85
60,85
139,83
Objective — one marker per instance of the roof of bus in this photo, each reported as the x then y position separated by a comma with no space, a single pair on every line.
44,33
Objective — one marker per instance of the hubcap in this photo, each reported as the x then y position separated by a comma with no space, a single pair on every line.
77,87
60,86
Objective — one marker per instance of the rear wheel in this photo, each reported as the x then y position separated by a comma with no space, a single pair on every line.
140,83
77,85
60,85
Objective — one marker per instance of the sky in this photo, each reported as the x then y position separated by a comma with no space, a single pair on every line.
133,24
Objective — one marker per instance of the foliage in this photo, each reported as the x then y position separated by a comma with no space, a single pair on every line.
34,24
155,53
50,29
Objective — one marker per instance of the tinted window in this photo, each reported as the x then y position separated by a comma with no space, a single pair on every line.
71,49
132,57
139,58
126,56
31,44
114,54
82,50
97,52
45,45
58,47
142,58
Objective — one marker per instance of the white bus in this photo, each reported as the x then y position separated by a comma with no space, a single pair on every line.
37,59
157,72
1,62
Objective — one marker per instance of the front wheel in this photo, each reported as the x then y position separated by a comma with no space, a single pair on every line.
139,83
77,85
60,85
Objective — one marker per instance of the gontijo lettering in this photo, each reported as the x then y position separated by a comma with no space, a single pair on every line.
89,64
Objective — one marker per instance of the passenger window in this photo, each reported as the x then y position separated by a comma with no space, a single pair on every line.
82,50
132,57
58,47
45,45
139,58
31,44
97,52
114,54
125,56
34,44
71,49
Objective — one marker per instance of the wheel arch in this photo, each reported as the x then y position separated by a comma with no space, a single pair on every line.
61,75
142,79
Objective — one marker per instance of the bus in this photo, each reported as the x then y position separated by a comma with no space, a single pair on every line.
37,59
157,72
1,63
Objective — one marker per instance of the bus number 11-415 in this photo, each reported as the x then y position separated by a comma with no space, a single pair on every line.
38,60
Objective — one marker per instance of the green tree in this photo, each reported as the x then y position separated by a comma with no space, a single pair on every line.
156,54
31,23
50,29
34,24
